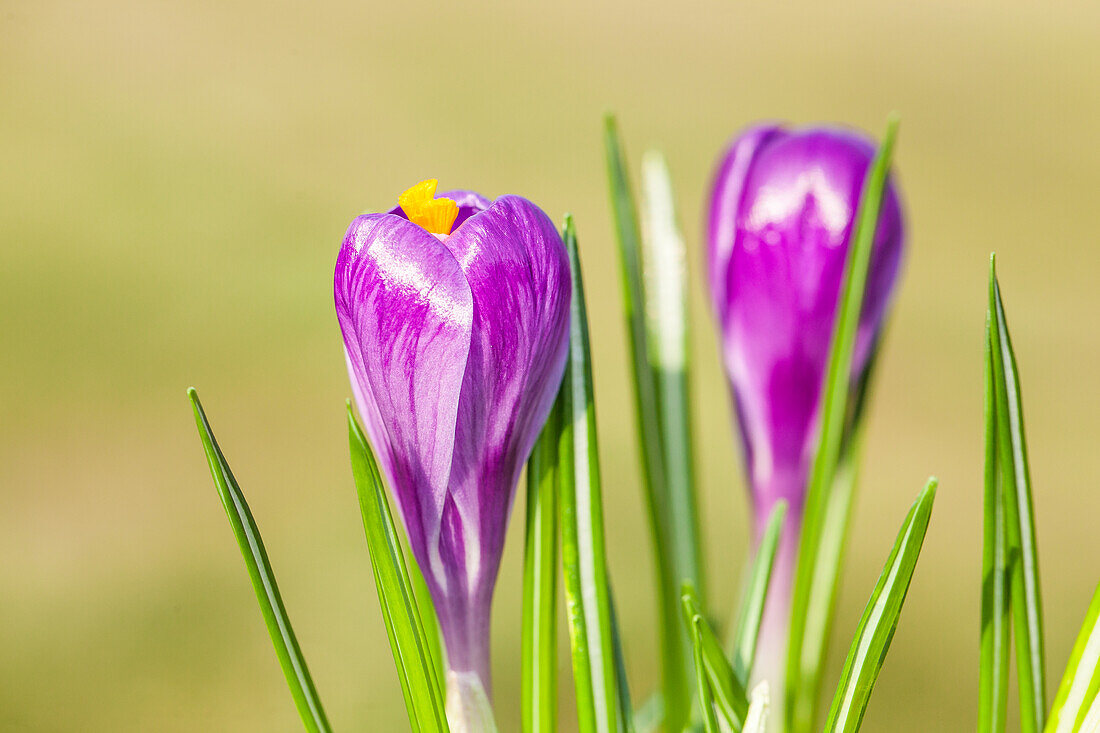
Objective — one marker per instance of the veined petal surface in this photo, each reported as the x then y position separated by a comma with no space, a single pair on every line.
406,312
456,344
782,212
517,270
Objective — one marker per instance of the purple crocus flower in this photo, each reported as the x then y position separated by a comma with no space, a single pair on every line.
783,207
455,315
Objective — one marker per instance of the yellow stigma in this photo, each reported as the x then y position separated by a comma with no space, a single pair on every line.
421,206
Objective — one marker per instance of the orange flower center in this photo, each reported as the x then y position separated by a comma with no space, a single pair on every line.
420,205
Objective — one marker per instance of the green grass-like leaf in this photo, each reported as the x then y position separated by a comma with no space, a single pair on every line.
433,635
1027,609
657,334
756,594
880,619
725,688
417,670
648,717
827,564
993,669
587,596
1077,692
668,344
263,579
626,709
1091,722
540,587
828,500
702,684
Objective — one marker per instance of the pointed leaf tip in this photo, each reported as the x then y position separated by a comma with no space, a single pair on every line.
251,545
825,526
880,619
568,228
1019,512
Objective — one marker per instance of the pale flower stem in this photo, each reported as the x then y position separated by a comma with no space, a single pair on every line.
468,708
771,651
756,720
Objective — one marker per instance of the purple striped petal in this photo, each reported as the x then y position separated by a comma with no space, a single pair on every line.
456,346
516,266
406,311
728,190
782,213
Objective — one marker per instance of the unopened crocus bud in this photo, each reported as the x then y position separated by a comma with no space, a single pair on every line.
782,213
455,316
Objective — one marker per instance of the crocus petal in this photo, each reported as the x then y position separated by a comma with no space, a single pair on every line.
788,199
456,345
406,312
728,189
466,199
782,212
518,273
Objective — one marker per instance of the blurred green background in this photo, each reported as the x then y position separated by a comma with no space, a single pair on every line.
175,179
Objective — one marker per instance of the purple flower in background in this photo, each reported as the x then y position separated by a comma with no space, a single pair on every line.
455,316
782,211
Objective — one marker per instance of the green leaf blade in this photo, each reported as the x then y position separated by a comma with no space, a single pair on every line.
648,717
880,618
412,652
702,684
725,687
1027,610
587,595
673,538
756,594
626,710
993,668
252,549
539,675
1077,692
433,635
1091,722
668,344
828,499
